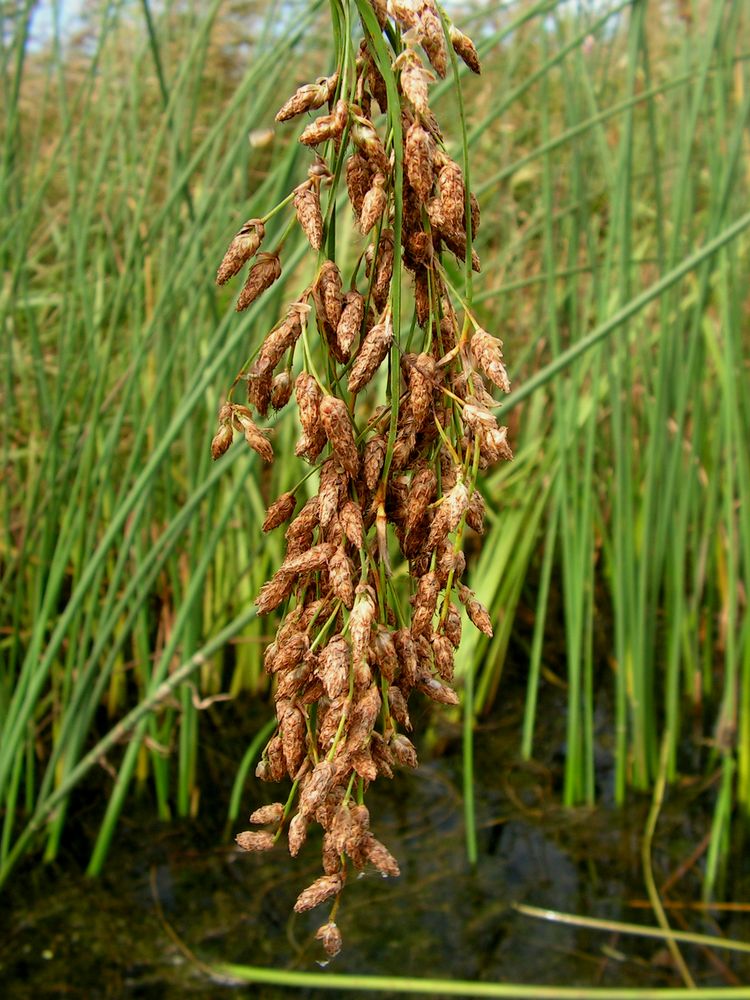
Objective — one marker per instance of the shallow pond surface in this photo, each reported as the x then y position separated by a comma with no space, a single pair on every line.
175,893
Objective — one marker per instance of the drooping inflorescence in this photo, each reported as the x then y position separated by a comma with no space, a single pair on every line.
398,426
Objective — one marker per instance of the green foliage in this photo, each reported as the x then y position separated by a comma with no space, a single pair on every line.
606,149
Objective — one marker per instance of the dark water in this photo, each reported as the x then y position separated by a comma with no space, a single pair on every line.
176,887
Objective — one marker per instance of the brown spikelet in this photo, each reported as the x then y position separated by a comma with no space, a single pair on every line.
333,667
421,494
279,340
367,140
352,314
373,205
292,729
308,394
478,614
259,390
419,155
309,216
255,840
381,11
272,813
433,38
407,656
360,622
327,126
307,98
371,354
253,434
334,416
404,751
425,603
383,270
314,559
281,390
422,295
244,244
263,273
406,12
373,459
272,593
464,49
449,513
316,788
330,937
332,485
358,180
297,834
451,187
329,292
381,858
421,382
317,893
340,575
475,512
384,653
352,524
305,522
415,80
397,706
438,691
443,652
488,354
222,440
279,511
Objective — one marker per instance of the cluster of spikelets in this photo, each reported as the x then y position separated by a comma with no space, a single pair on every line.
346,657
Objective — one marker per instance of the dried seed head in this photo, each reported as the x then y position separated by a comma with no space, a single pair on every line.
360,622
438,691
381,858
297,834
374,457
367,140
381,11
478,614
340,575
352,314
333,667
332,484
384,653
334,416
475,512
397,705
328,291
488,354
374,204
293,731
464,48
279,511
383,270
316,558
327,126
451,187
222,440
425,602
316,788
404,751
273,593
261,276
452,626
433,38
415,80
308,394
449,513
255,840
307,206
253,434
273,813
371,354
407,656
281,390
363,719
421,493
259,390
422,379
352,524
317,893
358,180
443,652
244,244
330,937
308,98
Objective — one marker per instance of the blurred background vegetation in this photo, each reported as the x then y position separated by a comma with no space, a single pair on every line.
609,152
